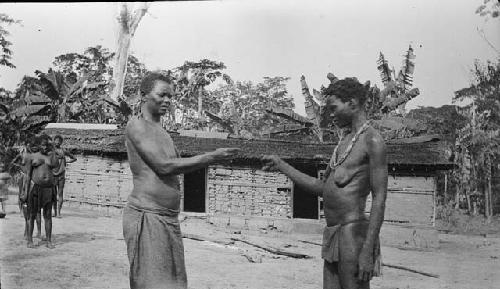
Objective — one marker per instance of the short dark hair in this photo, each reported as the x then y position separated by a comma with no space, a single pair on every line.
42,137
347,89
148,82
58,136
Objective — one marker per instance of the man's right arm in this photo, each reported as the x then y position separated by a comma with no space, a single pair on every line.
154,155
309,184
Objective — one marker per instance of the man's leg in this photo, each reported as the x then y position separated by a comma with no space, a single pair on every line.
351,240
38,224
60,194
26,220
47,218
20,185
31,225
331,276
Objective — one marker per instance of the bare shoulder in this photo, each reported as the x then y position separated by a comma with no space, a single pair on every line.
374,141
135,126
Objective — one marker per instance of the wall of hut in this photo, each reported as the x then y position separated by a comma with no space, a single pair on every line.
249,192
244,191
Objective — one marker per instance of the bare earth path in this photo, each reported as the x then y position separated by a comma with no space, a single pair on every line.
90,253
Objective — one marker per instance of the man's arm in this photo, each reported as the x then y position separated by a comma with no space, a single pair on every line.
308,183
29,171
72,158
378,183
153,155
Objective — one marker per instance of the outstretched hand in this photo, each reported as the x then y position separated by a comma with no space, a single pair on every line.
225,153
271,163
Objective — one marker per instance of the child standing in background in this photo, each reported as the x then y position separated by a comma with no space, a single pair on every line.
4,187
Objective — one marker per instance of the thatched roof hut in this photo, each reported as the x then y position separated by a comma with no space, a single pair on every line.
420,153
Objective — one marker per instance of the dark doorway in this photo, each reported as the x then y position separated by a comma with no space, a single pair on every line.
305,205
194,191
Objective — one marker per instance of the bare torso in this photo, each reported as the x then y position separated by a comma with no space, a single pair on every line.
42,169
151,191
348,185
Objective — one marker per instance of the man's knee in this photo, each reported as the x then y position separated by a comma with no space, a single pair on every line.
47,211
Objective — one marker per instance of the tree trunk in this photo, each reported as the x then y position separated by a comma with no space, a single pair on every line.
128,25
469,205
490,196
120,69
457,197
200,101
445,187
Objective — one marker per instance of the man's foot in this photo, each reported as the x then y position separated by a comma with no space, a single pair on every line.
50,245
43,238
59,216
39,235
31,245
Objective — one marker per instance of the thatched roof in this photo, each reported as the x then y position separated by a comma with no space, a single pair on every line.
427,152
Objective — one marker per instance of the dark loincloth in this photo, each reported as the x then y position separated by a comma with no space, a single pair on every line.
154,248
40,197
330,250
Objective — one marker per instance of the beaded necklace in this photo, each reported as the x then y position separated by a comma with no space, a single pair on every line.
333,161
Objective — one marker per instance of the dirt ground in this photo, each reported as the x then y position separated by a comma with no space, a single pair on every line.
90,253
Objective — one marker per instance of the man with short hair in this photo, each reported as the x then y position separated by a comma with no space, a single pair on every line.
41,194
150,220
60,172
351,249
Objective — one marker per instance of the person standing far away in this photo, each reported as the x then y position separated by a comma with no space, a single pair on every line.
358,166
41,194
150,219
60,172
4,187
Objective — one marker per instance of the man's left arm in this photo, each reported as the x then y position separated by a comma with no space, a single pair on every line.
72,158
378,183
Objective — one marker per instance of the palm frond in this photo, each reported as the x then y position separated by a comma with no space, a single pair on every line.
407,69
383,67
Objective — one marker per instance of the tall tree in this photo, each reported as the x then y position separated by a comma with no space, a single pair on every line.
128,22
479,140
195,76
243,105
96,62
5,52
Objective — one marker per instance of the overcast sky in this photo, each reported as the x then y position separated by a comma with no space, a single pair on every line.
271,38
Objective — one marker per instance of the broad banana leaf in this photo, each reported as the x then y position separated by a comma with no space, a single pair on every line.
28,110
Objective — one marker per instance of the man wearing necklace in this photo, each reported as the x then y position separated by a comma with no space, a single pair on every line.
150,220
351,249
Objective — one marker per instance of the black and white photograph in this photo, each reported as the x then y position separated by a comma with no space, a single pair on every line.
232,144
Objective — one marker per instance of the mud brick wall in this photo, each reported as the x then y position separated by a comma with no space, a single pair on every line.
410,200
100,180
249,192
97,179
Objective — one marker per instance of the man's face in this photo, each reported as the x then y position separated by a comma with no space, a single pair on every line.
340,112
44,146
57,142
34,148
160,98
